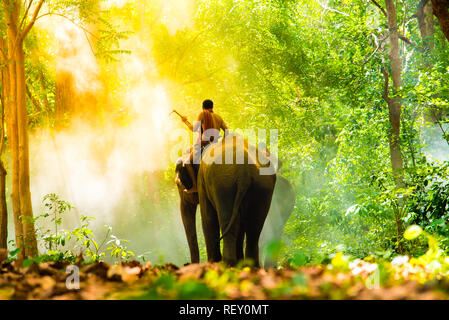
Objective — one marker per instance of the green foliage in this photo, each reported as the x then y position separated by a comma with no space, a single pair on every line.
117,249
428,205
273,249
12,255
61,244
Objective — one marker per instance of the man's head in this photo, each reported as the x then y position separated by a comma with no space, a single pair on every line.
208,104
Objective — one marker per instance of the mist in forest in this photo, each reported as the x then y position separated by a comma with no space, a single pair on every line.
116,172
119,172
436,147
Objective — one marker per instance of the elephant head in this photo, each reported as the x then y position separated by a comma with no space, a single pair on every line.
188,206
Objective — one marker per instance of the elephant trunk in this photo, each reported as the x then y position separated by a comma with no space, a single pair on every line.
243,183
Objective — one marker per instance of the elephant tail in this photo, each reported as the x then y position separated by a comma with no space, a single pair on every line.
243,183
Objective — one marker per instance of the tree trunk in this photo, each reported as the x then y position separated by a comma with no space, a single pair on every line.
17,126
441,11
394,103
26,208
11,123
394,107
426,26
425,22
3,207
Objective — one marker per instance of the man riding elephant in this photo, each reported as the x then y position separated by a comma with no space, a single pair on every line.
208,125
234,197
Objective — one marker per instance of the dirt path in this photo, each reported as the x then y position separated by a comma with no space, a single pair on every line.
212,281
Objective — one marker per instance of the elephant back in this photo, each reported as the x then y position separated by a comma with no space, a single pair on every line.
235,150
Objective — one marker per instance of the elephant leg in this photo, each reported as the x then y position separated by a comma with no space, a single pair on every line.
259,209
252,248
240,239
211,229
188,214
230,248
230,239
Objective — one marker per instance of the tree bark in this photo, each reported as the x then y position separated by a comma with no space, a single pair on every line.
26,208
441,11
394,103
425,22
3,206
11,122
425,18
17,125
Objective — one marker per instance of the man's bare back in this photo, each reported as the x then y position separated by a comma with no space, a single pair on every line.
211,124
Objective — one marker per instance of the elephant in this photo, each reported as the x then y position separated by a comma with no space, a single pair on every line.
188,206
281,208
234,198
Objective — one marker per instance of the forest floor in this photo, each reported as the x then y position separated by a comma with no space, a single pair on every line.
132,280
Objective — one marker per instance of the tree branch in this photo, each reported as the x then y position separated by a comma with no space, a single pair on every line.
25,14
33,99
409,42
33,20
325,7
72,21
380,7
401,36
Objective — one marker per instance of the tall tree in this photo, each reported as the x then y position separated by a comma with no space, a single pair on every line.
441,11
3,206
425,23
17,120
394,102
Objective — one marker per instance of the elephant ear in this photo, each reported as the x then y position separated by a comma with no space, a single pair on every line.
183,175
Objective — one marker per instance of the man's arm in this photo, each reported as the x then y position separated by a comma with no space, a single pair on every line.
224,127
196,124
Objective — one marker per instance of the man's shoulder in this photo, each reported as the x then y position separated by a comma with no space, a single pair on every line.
200,115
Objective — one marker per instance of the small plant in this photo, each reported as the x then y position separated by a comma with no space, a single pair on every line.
118,250
84,239
12,255
61,244
55,209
